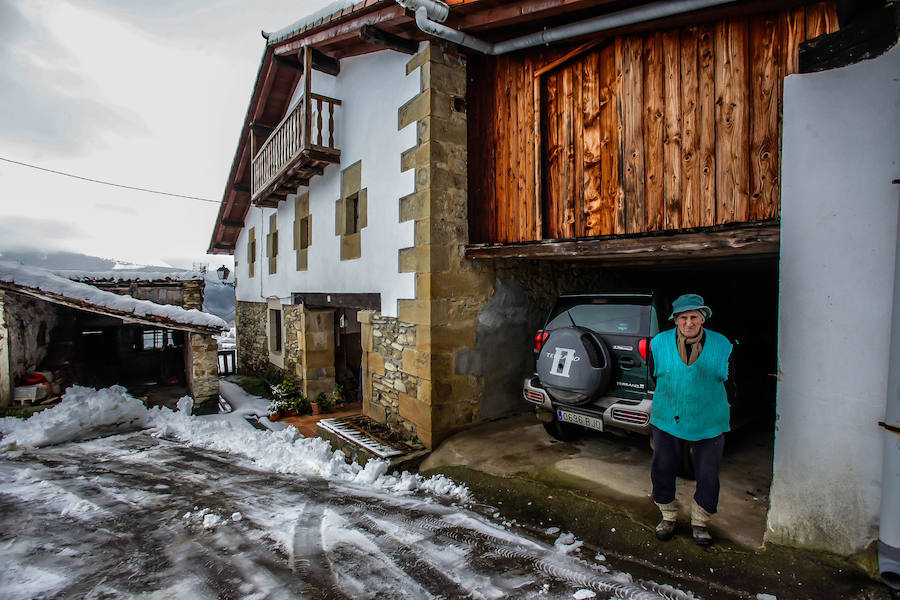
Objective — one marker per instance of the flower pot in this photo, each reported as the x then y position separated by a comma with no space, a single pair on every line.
315,408
275,416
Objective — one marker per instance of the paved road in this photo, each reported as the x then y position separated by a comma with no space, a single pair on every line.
136,516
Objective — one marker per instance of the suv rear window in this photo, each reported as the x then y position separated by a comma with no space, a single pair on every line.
621,316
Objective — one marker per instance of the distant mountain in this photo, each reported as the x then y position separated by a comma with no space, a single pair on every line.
218,299
58,260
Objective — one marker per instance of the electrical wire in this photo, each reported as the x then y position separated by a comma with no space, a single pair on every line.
118,185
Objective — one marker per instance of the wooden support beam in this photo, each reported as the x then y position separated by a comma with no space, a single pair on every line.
289,62
320,61
240,189
747,241
261,129
223,246
230,223
867,36
379,37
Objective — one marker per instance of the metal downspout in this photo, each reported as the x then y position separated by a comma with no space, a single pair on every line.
429,12
889,529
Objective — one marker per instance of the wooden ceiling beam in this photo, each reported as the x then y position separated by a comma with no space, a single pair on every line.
380,37
753,240
320,61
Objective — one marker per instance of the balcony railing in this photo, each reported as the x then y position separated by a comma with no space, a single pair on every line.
300,147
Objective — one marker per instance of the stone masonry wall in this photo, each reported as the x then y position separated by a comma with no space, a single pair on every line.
450,290
252,351
387,389
203,374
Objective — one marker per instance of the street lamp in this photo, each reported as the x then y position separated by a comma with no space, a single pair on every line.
223,273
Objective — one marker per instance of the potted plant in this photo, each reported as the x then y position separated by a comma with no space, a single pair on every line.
322,404
278,408
301,404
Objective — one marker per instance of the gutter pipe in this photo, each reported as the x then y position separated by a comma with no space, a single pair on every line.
431,13
889,529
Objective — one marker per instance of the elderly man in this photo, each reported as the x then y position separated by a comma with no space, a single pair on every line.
690,406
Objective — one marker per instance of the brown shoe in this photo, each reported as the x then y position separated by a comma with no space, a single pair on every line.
665,530
701,536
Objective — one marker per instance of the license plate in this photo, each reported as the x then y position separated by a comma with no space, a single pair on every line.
579,419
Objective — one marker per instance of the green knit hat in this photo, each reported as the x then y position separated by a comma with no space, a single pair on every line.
689,302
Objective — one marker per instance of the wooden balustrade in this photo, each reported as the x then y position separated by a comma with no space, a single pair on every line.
298,147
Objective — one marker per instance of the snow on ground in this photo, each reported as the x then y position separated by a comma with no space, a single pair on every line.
85,410
101,497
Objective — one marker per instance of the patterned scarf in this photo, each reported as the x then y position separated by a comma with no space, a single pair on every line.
689,348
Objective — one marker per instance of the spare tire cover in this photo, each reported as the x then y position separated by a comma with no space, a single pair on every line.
574,365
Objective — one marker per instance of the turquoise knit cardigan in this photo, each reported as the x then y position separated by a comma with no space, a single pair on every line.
690,402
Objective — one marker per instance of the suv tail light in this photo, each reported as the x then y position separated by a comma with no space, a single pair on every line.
539,338
644,348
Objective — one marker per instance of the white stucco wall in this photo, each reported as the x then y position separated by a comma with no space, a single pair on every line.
372,88
838,233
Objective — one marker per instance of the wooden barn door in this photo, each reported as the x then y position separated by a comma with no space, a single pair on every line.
579,147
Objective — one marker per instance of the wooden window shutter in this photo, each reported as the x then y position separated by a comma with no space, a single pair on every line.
251,252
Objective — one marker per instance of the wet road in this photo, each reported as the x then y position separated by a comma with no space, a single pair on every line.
136,516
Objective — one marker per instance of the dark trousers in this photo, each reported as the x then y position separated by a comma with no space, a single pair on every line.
667,453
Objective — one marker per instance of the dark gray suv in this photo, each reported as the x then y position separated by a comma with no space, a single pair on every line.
593,363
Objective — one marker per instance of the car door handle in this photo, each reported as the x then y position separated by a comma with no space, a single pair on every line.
627,362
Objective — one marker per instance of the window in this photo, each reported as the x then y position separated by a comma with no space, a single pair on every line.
154,339
351,212
274,330
272,243
351,220
302,230
251,252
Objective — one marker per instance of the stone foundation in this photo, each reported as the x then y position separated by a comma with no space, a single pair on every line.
202,372
308,343
389,389
252,349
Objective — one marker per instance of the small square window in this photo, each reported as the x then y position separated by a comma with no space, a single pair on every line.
351,205
154,339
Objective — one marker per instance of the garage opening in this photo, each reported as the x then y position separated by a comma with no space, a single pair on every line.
743,296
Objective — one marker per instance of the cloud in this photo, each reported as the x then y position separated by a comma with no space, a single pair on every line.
28,233
47,106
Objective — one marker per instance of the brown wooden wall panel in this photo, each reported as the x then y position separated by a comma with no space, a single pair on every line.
672,129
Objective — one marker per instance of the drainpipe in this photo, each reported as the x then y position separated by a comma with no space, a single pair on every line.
431,13
889,531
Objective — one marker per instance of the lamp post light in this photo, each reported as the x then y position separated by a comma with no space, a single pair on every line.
223,273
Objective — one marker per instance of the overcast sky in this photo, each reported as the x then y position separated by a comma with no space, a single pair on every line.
146,94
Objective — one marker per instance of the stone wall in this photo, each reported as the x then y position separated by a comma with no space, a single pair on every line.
252,349
389,392
29,323
6,384
202,373
188,293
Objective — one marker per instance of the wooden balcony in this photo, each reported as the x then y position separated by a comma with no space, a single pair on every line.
299,148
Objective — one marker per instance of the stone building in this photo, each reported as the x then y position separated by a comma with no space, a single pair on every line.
81,334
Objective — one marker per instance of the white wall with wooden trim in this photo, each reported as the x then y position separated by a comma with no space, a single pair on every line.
371,87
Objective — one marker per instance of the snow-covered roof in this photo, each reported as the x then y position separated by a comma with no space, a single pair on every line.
54,288
130,275
308,21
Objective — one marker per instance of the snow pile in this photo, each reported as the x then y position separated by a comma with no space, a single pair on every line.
81,411
566,543
283,451
46,281
129,275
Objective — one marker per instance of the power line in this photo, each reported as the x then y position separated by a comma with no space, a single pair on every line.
118,185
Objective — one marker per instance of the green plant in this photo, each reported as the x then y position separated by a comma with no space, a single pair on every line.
337,394
278,405
323,401
414,440
300,403
7,411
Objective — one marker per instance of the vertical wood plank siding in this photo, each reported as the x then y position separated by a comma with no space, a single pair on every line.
657,131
